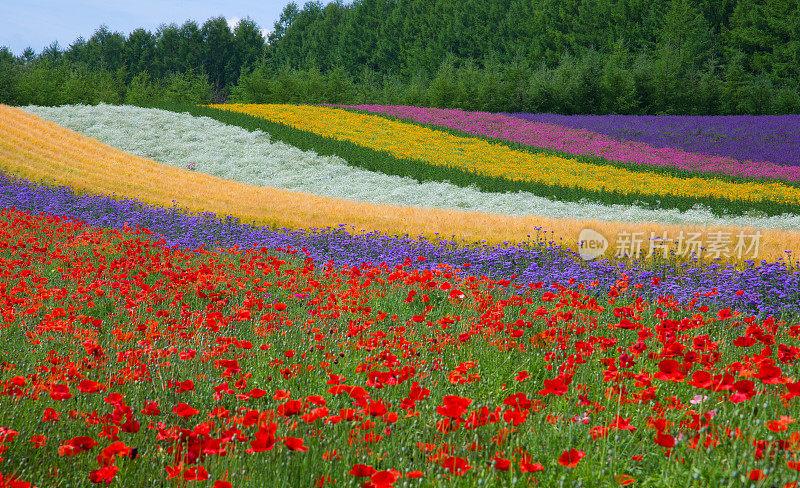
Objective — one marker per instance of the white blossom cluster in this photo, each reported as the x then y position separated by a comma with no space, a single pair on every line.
208,146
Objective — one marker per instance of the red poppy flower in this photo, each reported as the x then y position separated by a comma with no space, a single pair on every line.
60,392
454,406
526,466
622,424
769,374
151,408
109,453
292,407
625,479
174,471
103,475
295,444
362,470
183,386
557,386
670,370
38,440
571,458
664,440
222,484
89,386
456,465
756,475
598,432
384,479
184,410
414,474
501,464
50,415
197,473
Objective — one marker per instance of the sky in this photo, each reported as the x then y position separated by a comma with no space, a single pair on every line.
37,23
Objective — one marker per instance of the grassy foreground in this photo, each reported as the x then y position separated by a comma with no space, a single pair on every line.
129,364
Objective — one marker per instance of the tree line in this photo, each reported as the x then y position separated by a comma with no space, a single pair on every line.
703,57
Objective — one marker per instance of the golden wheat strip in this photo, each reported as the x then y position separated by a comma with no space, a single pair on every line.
60,156
436,147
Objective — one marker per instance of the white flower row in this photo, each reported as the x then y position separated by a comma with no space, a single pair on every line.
231,152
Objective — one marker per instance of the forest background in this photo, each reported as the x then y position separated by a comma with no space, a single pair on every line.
705,57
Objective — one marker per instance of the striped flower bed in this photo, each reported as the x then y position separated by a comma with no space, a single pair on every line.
229,152
554,132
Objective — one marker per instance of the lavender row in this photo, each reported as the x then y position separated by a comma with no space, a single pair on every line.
769,288
773,138
582,142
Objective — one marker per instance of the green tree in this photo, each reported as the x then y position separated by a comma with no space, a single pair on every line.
140,51
142,91
248,45
217,53
8,79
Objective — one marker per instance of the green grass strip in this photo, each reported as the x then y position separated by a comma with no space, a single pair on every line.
383,162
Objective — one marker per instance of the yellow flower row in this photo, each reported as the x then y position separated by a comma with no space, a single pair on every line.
431,146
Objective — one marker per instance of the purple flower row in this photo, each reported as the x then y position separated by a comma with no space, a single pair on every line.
773,138
578,141
769,288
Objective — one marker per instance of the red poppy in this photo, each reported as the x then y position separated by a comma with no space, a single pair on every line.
557,386
184,410
769,374
292,407
50,415
89,386
622,424
756,475
103,475
725,313
197,473
183,386
456,465
38,440
454,406
571,458
174,471
625,479
664,440
60,392
109,453
295,444
384,479
670,370
151,408
362,470
526,466
501,464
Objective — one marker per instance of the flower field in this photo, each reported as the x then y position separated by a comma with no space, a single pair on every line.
311,296
754,147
